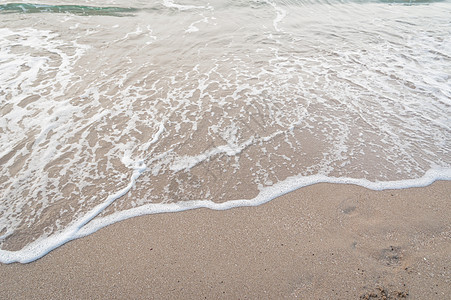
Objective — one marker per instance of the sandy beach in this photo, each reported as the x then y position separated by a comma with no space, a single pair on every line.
118,109
324,241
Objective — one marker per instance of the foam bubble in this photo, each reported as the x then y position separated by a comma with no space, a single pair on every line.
82,228
172,4
103,122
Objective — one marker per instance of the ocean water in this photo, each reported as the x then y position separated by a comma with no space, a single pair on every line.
113,109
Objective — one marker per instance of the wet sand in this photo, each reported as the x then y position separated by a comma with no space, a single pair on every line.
325,241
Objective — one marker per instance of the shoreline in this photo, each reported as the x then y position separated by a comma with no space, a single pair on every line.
321,241
91,222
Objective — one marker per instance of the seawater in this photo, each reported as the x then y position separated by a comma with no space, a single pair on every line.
113,109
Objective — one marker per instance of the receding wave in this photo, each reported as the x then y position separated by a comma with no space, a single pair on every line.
29,8
212,104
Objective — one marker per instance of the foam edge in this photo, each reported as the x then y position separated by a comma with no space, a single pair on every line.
88,225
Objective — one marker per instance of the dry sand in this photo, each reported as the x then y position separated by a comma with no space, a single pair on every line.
321,242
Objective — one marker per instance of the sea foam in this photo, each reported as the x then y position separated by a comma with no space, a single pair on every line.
109,116
82,228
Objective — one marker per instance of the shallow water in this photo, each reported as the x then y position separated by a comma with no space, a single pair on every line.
128,108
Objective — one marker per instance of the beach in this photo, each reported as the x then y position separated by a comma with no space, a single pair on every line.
325,241
259,149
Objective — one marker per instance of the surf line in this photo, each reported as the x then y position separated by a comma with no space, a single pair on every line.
43,246
81,228
280,15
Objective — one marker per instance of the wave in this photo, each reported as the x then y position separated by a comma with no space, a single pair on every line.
233,104
29,8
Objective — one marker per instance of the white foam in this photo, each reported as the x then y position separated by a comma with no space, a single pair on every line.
88,225
352,100
44,245
171,4
280,15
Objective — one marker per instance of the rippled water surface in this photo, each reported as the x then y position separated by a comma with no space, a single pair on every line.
111,109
